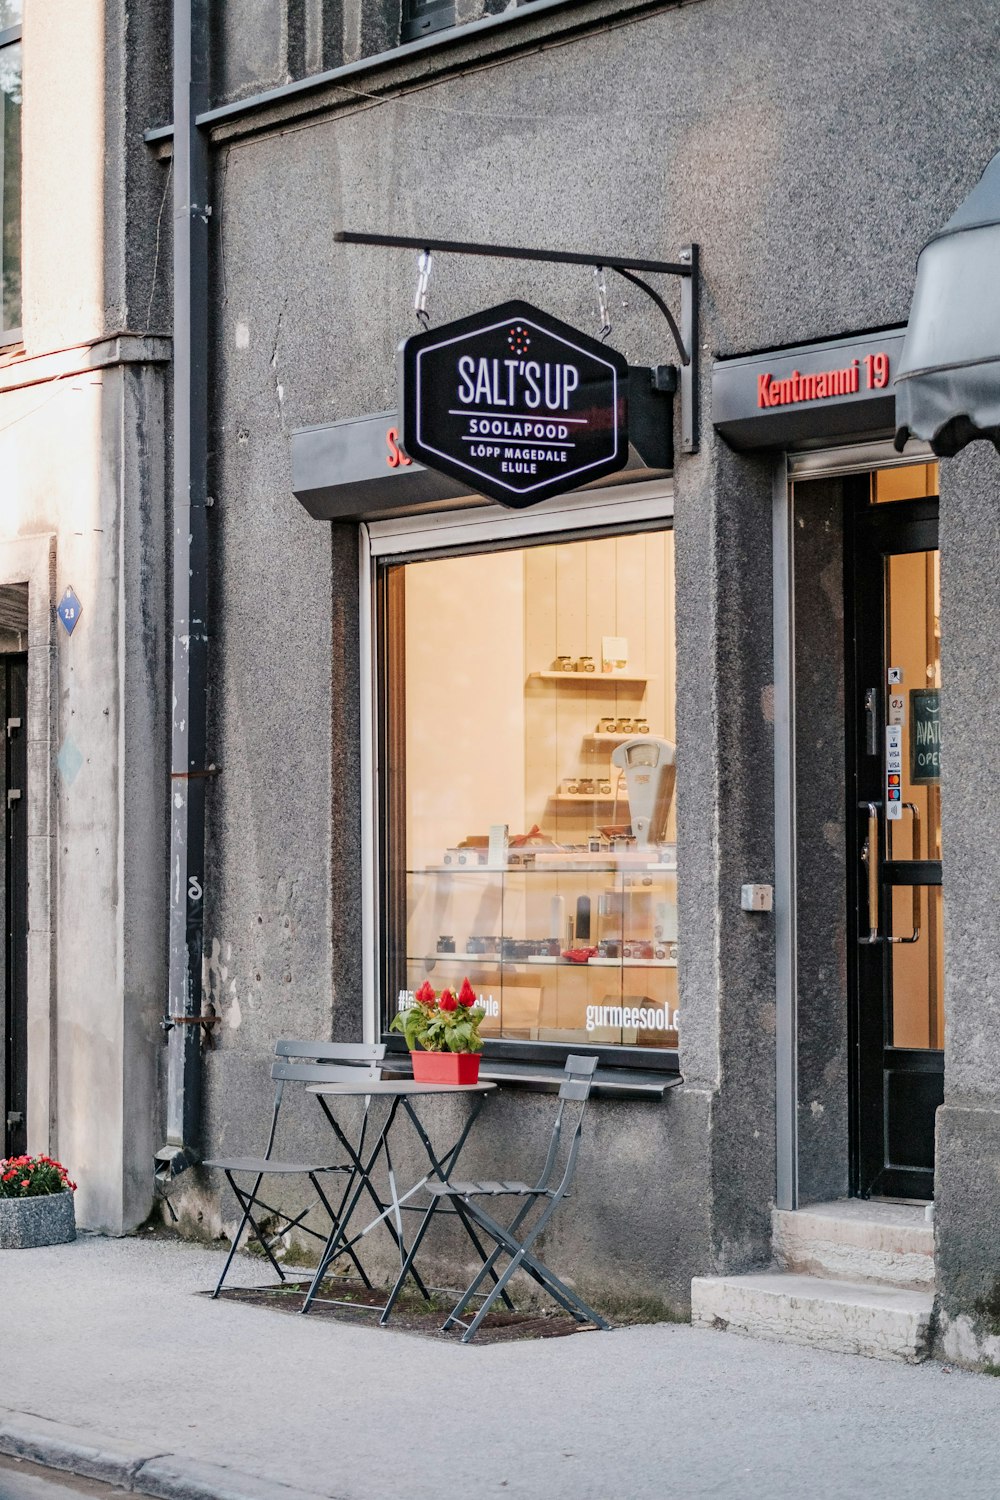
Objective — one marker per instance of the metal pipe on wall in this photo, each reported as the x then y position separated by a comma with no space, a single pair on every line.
189,771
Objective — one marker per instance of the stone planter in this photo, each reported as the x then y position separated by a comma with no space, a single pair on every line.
28,1222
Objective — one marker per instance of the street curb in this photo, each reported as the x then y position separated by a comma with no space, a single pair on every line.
167,1476
60,1447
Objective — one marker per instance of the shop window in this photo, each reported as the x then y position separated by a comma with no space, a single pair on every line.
529,825
423,16
10,170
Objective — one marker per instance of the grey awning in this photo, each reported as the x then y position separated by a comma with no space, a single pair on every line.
948,384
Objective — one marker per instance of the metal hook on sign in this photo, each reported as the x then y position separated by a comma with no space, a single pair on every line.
600,281
424,262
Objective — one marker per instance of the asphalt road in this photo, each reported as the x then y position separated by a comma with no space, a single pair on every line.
22,1481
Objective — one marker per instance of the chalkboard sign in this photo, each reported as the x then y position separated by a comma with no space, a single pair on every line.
925,736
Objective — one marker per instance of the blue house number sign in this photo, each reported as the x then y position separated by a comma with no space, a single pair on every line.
69,610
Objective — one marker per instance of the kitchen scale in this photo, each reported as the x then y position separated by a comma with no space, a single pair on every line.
650,772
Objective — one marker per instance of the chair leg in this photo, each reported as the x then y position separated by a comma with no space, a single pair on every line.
487,1270
521,1255
489,1261
334,1220
488,1264
329,1250
561,1293
232,1248
407,1268
245,1203
490,1298
394,1223
261,1239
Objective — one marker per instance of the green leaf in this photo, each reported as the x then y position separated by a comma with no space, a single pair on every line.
413,1028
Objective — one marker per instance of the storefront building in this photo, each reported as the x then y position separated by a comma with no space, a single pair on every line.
84,376
419,700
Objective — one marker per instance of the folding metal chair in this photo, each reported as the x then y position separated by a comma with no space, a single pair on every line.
516,1239
301,1062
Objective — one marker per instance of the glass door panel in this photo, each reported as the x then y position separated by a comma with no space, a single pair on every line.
913,656
894,591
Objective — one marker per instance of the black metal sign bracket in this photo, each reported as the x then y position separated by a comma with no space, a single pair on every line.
686,268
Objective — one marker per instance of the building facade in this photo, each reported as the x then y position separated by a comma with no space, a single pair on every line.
83,459
790,611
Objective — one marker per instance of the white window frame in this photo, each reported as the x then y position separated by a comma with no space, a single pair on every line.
647,505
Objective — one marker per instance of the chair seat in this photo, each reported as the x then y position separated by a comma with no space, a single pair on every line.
278,1168
483,1190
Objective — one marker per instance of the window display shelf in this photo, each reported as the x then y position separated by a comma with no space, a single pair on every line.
493,960
624,863
611,739
630,963
608,678
588,797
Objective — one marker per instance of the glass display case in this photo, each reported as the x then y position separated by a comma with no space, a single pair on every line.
558,948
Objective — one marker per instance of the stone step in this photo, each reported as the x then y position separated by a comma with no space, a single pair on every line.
841,1316
857,1240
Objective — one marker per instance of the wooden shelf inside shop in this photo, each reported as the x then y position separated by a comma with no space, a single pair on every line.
608,679
582,797
616,739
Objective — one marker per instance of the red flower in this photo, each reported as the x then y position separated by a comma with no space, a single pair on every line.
425,994
448,1001
466,995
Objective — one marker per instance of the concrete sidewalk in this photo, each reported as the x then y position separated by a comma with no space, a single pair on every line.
105,1350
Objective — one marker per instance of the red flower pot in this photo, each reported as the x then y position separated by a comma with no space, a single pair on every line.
445,1067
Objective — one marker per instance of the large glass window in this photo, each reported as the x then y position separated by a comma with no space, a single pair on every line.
422,16
10,168
529,820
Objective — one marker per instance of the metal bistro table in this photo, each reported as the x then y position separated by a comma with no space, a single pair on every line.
402,1092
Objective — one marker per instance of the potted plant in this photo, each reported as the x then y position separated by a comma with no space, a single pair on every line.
446,1028
36,1203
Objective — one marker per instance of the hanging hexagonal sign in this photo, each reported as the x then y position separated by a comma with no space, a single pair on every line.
514,403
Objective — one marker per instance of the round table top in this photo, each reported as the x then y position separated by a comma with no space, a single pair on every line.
390,1086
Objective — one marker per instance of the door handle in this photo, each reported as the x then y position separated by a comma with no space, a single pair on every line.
869,858
872,722
915,935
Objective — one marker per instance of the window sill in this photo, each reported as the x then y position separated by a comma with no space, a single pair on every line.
545,1078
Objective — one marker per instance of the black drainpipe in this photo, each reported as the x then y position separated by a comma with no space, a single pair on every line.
189,767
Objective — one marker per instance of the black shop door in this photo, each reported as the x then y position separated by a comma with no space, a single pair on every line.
14,873
895,923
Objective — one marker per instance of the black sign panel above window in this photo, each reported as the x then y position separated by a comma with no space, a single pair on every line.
514,403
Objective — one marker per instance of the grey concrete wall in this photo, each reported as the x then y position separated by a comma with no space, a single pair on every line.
725,835
967,1173
820,748
795,144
